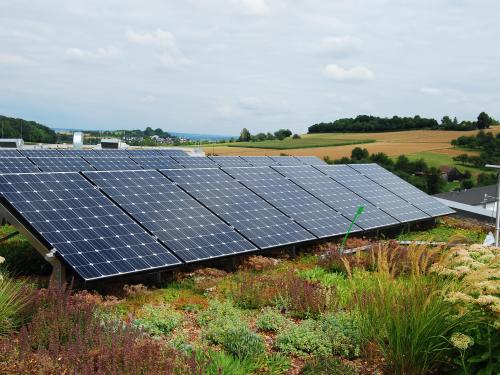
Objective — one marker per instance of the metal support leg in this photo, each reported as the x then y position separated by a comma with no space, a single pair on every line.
292,251
58,271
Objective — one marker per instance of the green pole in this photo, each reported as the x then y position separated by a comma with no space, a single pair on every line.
358,213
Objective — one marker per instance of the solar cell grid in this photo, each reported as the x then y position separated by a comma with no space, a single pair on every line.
259,161
41,153
195,162
95,237
172,152
311,160
159,162
110,153
17,165
252,216
293,200
112,164
179,221
373,192
62,164
78,153
230,161
4,153
286,160
337,196
142,153
403,189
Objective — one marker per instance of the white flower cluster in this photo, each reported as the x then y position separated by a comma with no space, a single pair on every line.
461,341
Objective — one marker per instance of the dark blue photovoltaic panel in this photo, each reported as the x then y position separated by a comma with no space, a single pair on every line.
374,193
9,153
172,152
143,153
253,217
62,164
112,153
230,161
259,161
17,165
286,160
187,228
94,237
113,164
311,160
159,162
195,162
337,196
78,153
294,201
403,189
41,153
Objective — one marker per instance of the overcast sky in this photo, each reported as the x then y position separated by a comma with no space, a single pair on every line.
215,66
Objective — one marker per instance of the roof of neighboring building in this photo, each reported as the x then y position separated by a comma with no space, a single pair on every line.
473,197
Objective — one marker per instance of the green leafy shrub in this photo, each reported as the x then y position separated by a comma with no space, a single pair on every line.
271,320
411,322
14,299
304,339
158,320
242,342
221,363
344,333
219,318
253,291
327,366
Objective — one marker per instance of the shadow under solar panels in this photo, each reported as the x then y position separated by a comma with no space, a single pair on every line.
157,162
403,189
195,162
187,228
230,161
241,208
337,196
62,164
374,193
294,201
113,164
17,165
93,235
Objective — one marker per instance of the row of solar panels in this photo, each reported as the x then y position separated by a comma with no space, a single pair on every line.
110,223
90,163
90,153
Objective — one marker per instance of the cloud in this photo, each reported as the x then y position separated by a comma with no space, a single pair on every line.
340,45
256,7
99,55
248,106
356,73
13,59
157,37
431,91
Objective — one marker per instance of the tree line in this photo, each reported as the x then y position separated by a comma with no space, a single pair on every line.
486,143
366,124
416,172
246,136
30,131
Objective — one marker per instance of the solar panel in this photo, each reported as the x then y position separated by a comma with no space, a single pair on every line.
95,237
373,192
17,165
337,196
110,153
294,201
286,160
191,231
172,152
311,160
113,164
195,162
230,161
403,189
159,162
143,153
259,161
78,153
41,153
241,208
9,153
62,164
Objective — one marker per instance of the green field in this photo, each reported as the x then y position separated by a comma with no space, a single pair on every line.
309,142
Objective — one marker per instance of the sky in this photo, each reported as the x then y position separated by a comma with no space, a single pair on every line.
216,66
